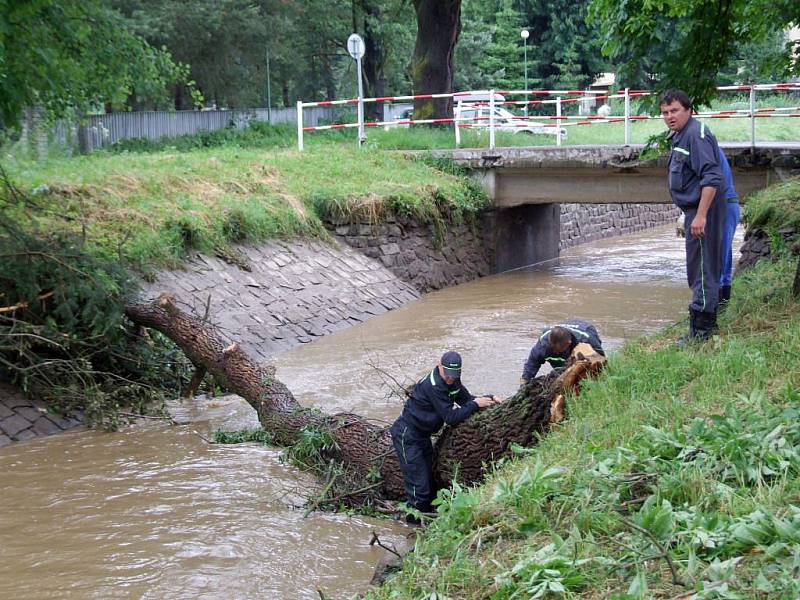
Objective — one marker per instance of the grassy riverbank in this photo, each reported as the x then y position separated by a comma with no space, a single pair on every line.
151,208
683,461
677,474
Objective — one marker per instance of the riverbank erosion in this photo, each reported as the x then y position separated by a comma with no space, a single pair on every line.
676,475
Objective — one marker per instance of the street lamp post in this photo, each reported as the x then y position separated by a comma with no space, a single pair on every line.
269,93
524,35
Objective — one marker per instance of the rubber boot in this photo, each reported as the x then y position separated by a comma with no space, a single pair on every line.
724,297
705,325
688,337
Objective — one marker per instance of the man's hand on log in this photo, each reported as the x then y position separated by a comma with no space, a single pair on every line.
486,401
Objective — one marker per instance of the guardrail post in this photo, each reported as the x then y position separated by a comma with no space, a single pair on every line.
456,123
627,116
491,119
752,118
300,125
558,120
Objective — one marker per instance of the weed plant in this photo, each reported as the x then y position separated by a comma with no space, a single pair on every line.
677,472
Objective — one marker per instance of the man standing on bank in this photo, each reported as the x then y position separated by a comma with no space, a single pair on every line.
556,344
436,399
698,188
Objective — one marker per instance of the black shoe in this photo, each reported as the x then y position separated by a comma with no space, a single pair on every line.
688,337
705,325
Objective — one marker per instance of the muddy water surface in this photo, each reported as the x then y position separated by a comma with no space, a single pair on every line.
156,512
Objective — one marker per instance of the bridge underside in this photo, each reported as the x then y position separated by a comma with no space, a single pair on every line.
607,174
514,187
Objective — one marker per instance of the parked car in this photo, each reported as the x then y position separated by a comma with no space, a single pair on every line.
476,115
406,114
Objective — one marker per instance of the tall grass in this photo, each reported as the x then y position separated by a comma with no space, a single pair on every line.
152,208
775,207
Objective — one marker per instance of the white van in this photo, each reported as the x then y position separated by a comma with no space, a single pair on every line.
473,109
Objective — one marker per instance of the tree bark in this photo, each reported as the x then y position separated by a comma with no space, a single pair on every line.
438,28
361,449
373,59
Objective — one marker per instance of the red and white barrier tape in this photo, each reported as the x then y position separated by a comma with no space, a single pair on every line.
564,120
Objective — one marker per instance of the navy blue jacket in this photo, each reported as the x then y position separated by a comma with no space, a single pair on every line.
433,403
580,331
694,164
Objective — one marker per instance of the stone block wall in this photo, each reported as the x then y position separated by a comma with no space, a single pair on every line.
292,293
22,418
408,249
581,223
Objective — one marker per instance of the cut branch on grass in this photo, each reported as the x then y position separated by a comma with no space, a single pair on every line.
664,552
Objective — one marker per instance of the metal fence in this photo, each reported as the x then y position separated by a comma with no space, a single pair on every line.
104,130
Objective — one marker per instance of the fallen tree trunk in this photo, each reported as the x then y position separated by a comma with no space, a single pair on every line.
354,456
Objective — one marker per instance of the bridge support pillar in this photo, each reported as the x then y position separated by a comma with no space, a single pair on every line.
523,235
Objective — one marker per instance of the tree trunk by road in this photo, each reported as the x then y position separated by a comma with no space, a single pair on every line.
374,59
358,465
438,28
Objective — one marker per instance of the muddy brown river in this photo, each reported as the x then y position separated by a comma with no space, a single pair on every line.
154,511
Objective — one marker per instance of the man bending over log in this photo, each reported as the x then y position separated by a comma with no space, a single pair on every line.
556,344
436,399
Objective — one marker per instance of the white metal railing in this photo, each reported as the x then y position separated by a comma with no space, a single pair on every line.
561,97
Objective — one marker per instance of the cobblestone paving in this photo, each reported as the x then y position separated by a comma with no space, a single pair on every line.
293,293
22,419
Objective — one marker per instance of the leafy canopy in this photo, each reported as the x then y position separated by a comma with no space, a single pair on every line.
68,55
686,43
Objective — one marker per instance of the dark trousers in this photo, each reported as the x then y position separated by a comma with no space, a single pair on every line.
415,451
704,257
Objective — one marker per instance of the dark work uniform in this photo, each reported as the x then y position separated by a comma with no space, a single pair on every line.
542,352
432,404
693,165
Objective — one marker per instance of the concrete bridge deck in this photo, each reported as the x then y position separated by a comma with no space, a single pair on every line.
514,176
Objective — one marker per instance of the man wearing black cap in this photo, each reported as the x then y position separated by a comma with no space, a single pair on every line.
436,399
556,344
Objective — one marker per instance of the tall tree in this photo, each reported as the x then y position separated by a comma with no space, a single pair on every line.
686,43
74,55
438,28
225,42
502,58
386,28
563,51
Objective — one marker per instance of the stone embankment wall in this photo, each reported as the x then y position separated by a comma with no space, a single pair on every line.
292,293
581,223
22,418
408,249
